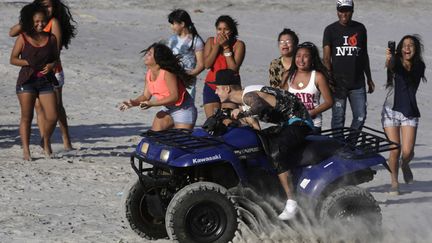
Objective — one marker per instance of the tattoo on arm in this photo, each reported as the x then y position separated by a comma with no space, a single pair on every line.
256,103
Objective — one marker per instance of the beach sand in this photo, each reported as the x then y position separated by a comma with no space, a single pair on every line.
78,195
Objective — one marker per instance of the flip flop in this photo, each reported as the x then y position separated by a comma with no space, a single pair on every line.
394,191
407,174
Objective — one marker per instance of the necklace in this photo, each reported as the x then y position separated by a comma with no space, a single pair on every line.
300,85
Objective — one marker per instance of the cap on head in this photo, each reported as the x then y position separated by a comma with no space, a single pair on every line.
227,77
345,5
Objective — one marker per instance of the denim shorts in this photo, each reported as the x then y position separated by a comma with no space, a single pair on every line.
209,95
36,86
184,114
392,118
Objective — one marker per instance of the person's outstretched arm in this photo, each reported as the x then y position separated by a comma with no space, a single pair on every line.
15,30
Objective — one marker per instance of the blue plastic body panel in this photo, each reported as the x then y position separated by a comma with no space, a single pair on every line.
312,180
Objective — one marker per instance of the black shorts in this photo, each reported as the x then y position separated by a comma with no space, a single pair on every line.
281,144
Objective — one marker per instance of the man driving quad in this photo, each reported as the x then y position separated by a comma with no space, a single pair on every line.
274,106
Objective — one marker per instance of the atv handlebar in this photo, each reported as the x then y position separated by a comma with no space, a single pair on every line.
214,125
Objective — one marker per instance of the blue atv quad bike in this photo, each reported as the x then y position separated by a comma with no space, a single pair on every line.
185,179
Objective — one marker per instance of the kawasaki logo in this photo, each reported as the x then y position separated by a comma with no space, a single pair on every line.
206,159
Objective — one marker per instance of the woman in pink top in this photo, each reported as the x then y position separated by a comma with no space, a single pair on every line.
165,85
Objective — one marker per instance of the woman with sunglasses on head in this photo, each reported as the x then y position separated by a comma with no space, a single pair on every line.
187,43
400,114
224,51
165,85
59,24
308,79
36,52
287,42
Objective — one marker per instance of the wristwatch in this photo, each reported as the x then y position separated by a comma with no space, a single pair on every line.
227,54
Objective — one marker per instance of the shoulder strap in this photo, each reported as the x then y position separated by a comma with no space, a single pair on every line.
312,77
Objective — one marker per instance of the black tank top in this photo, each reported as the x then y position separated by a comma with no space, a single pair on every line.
37,57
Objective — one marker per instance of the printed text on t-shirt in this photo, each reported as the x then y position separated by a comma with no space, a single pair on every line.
349,47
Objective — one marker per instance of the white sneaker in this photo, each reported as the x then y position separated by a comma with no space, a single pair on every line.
289,211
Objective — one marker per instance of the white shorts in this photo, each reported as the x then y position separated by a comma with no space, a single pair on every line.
392,118
60,79
184,114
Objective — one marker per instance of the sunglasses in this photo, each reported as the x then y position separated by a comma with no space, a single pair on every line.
286,42
306,44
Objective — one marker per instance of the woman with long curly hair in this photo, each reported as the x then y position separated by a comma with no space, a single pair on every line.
60,23
36,52
165,85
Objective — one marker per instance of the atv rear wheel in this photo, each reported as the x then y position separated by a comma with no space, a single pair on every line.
351,212
201,212
140,217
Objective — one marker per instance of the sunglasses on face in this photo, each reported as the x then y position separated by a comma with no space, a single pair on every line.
284,42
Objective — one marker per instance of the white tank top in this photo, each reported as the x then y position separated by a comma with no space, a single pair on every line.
310,96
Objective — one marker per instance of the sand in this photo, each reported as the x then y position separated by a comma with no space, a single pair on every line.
77,196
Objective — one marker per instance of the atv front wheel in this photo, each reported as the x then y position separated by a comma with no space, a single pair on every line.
201,212
351,213
139,212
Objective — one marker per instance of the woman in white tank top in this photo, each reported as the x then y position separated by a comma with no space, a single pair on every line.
308,79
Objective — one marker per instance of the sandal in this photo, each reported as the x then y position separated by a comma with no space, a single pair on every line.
394,191
407,174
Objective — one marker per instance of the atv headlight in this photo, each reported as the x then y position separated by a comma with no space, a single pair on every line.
144,148
164,155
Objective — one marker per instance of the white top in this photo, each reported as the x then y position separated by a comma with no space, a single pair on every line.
310,96
181,46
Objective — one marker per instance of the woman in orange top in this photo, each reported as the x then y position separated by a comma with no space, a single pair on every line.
166,81
224,51
60,24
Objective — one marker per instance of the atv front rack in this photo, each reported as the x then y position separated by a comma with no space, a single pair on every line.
180,138
363,142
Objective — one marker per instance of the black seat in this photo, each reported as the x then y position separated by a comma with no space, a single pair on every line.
317,149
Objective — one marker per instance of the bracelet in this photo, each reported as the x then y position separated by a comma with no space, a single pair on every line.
227,54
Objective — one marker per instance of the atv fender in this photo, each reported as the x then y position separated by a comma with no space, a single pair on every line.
313,180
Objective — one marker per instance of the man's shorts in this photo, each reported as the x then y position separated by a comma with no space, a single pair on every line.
392,118
209,95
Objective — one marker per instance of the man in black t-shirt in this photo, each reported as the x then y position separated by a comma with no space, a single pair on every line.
346,57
